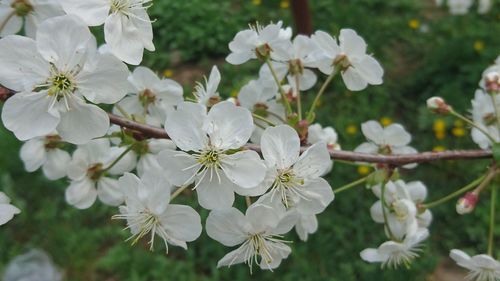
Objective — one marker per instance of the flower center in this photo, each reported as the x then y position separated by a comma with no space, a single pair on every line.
296,67
287,185
342,61
147,97
95,171
53,142
127,7
22,7
210,158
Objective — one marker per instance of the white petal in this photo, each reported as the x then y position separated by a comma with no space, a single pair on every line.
67,47
13,25
81,194
21,66
372,255
56,165
396,135
104,81
280,146
33,154
234,257
28,116
262,218
214,194
182,222
82,122
227,226
353,80
373,131
376,212
184,126
92,12
370,70
351,43
461,258
313,162
417,190
244,168
109,191
367,147
229,126
7,212
176,165
124,38
318,194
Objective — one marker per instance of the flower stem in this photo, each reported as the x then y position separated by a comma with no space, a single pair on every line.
310,114
7,19
471,123
278,82
178,191
123,112
350,185
299,102
492,220
118,159
256,116
455,193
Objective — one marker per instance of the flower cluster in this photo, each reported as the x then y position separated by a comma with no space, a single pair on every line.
262,144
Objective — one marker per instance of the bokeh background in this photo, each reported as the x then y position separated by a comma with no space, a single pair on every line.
425,52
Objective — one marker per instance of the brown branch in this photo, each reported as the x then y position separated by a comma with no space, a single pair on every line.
394,160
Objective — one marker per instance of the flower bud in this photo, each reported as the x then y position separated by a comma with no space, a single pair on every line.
467,203
492,82
22,8
438,105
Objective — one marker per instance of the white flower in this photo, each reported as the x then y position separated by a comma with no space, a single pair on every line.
258,41
292,58
151,97
258,232
483,115
7,211
358,69
212,163
53,75
459,7
127,26
259,96
402,213
392,139
148,152
484,6
87,171
394,254
147,211
208,95
12,13
295,180
492,69
45,152
481,267
317,133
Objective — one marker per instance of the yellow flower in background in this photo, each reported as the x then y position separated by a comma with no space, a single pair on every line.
385,121
364,170
351,129
285,4
256,2
440,135
478,45
414,23
168,73
234,93
439,125
458,132
438,148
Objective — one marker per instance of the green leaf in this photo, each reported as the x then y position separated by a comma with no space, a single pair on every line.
496,152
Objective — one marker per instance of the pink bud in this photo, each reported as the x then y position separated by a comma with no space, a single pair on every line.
467,203
492,82
438,105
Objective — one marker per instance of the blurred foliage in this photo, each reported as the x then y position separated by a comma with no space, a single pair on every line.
425,52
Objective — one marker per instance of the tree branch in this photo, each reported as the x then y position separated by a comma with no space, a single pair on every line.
395,160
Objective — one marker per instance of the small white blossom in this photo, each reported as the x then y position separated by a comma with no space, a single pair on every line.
211,140
258,41
349,56
127,26
484,6
7,211
53,76
317,133
259,96
33,12
392,139
483,115
45,152
295,180
148,211
90,180
259,233
150,98
208,95
459,7
402,213
481,267
393,254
